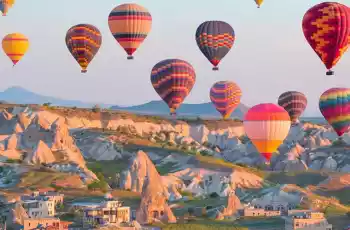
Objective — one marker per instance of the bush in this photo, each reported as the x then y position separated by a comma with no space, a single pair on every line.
214,195
101,184
98,185
205,153
96,109
47,104
12,161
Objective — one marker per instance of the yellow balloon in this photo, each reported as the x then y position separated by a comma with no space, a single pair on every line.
259,2
15,46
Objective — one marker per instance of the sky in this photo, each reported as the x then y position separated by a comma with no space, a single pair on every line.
270,54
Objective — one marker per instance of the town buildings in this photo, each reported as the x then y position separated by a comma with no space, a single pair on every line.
109,211
308,220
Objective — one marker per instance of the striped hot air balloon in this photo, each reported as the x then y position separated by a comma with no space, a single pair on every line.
83,42
259,2
335,107
173,80
130,25
15,46
5,5
294,103
267,125
225,96
326,28
215,39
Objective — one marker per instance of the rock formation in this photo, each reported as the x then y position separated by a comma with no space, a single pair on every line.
41,155
154,205
141,168
18,214
233,204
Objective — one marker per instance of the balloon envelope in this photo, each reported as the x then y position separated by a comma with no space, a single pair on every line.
326,28
83,42
267,125
225,96
173,80
259,2
294,103
335,108
130,25
5,5
215,39
15,46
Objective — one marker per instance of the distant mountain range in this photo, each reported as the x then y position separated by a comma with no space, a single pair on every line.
18,95
203,109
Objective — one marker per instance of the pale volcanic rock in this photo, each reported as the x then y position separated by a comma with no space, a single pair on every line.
18,214
41,155
141,167
9,148
233,205
153,206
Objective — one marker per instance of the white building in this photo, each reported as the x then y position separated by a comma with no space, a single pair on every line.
307,221
39,208
109,211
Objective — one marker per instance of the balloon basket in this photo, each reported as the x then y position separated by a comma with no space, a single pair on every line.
215,68
130,57
84,71
329,73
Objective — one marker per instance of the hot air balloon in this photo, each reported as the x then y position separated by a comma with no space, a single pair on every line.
259,2
173,80
267,125
294,103
83,42
215,39
225,96
15,46
5,5
335,107
326,28
130,25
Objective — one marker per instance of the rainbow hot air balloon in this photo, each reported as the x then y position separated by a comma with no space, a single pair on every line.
83,42
173,80
294,103
326,28
259,2
225,96
267,125
5,5
15,46
335,107
215,39
130,25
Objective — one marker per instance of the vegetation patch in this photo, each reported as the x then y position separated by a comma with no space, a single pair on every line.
301,179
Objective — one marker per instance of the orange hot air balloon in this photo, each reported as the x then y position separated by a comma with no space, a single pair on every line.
267,125
15,46
130,25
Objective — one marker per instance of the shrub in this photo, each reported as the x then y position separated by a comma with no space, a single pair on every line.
12,161
47,104
205,153
96,109
214,195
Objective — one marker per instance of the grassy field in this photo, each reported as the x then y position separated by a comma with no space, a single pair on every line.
39,179
241,224
108,168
